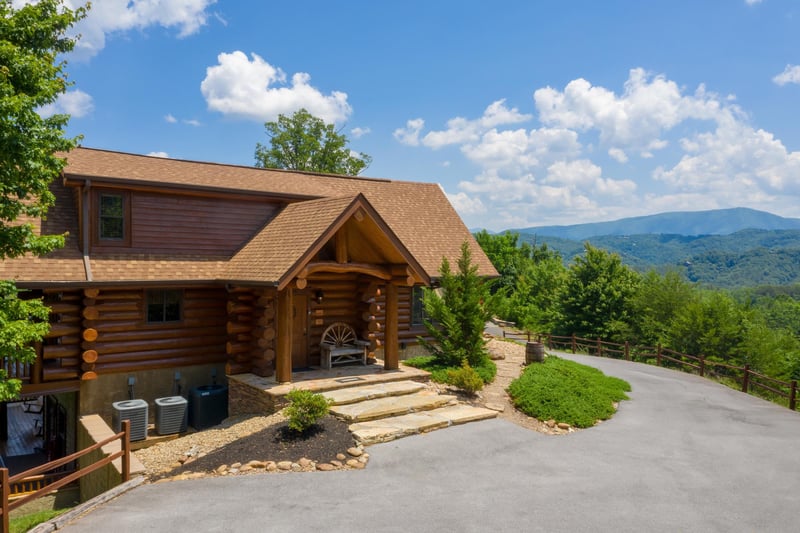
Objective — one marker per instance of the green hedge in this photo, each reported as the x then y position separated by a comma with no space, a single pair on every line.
565,391
486,370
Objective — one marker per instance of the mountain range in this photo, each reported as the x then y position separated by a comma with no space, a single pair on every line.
722,248
711,222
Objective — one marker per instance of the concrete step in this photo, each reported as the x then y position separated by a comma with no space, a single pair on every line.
386,429
370,392
391,406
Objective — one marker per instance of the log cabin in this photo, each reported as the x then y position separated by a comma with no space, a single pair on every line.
174,271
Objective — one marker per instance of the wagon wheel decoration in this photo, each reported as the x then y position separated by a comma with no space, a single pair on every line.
339,334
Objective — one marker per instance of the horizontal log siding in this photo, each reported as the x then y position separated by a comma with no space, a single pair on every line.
119,339
407,332
61,350
339,304
185,224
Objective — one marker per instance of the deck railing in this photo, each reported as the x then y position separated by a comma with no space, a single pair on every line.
42,480
748,380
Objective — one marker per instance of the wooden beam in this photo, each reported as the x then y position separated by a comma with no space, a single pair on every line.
391,349
283,352
376,271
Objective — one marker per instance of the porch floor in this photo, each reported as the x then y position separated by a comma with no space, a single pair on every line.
319,380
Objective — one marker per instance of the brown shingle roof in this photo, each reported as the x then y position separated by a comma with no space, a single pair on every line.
419,214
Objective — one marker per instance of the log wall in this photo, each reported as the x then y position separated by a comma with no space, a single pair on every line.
116,337
250,328
61,349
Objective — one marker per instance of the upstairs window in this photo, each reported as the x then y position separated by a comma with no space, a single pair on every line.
112,217
164,306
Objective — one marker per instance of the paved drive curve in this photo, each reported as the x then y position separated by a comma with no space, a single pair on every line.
685,454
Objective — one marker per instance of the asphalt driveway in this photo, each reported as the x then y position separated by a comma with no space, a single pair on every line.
685,454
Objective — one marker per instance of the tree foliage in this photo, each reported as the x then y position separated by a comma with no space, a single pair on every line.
456,318
596,301
31,76
304,142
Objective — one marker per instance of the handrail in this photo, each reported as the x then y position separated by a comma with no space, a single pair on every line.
699,363
7,481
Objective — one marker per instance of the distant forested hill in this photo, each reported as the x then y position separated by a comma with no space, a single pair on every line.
713,222
745,258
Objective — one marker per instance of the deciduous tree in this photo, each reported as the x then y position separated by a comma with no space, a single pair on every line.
31,76
305,142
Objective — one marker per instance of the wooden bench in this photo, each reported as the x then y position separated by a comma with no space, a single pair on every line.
340,345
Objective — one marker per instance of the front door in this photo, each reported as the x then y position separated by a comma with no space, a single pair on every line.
300,331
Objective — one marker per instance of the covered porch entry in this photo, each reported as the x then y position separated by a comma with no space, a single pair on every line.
339,263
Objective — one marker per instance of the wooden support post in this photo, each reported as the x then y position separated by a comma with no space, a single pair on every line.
599,347
6,492
126,450
746,379
341,246
391,348
702,365
627,351
793,396
574,344
283,352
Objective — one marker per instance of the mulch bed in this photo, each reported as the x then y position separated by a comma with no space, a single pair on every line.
320,444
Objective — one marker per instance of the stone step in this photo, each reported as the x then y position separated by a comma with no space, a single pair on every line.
371,392
391,406
386,429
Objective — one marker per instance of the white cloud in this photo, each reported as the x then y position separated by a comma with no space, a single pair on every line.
117,16
635,120
360,132
752,2
192,122
74,103
681,150
461,130
791,74
410,134
159,154
253,89
169,118
618,154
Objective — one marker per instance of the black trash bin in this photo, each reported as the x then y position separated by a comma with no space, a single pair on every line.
208,405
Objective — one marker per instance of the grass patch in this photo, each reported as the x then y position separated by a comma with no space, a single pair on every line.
21,524
486,370
566,391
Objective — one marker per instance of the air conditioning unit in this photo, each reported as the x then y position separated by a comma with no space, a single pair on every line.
171,415
136,412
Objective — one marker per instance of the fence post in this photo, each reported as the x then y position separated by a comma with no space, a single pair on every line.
746,378
658,355
529,336
126,451
793,395
627,351
599,347
574,344
702,365
549,341
6,491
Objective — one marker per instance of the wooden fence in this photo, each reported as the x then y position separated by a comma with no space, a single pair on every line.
42,480
784,392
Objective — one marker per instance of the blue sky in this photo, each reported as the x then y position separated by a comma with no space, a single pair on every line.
526,112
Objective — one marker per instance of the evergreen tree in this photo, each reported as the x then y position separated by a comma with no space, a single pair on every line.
456,318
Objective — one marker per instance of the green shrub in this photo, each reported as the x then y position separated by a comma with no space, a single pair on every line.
486,369
306,409
465,378
566,391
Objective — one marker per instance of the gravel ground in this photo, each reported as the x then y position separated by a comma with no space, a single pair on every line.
252,437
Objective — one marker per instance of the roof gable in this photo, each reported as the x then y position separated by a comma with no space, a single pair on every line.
286,246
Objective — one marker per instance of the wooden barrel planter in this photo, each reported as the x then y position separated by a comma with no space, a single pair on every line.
534,352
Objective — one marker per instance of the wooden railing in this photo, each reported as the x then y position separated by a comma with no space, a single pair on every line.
40,481
750,381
